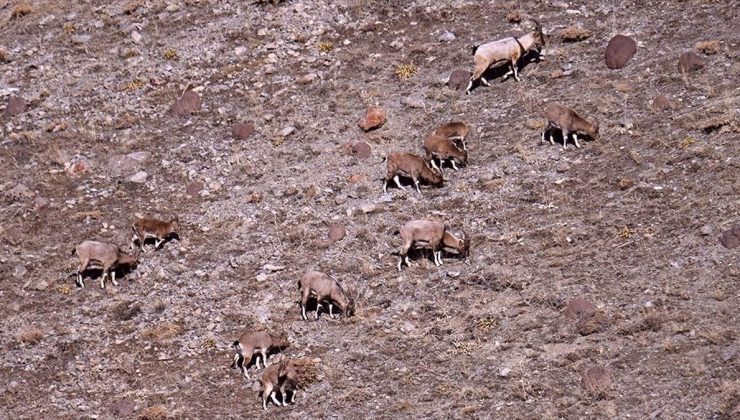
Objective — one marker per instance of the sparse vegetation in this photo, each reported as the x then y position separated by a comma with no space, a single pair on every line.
21,9
170,54
405,71
325,47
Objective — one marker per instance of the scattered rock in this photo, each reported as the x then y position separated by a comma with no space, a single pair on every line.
458,79
597,380
504,373
80,39
562,167
361,150
706,230
337,231
690,61
40,203
407,327
307,79
273,268
194,188
374,118
340,199
139,177
136,37
447,36
78,167
261,277
574,34
619,51
242,131
123,408
286,131
578,308
19,271
412,102
125,164
731,238
189,102
16,106
368,208
41,285
662,103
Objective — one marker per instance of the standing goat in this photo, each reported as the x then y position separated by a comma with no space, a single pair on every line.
153,228
282,376
428,234
505,50
443,148
258,343
324,289
102,255
412,166
455,131
567,121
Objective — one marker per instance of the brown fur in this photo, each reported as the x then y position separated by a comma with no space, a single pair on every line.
282,376
153,228
324,289
566,120
455,131
102,255
412,166
443,148
429,234
259,343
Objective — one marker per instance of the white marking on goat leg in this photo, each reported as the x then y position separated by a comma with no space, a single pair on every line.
273,395
467,89
543,136
408,263
400,260
264,358
398,182
292,396
80,283
303,311
434,165
452,161
331,314
102,279
565,139
516,71
484,81
318,306
416,183
575,139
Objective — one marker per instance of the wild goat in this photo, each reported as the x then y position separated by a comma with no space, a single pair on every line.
505,50
153,228
256,343
428,234
102,255
566,120
412,166
324,289
282,376
455,131
443,148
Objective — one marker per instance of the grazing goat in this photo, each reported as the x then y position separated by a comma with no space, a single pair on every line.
102,255
256,343
324,289
455,131
567,121
505,50
428,234
282,376
443,148
412,166
153,228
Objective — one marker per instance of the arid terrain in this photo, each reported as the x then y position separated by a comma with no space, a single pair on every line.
597,285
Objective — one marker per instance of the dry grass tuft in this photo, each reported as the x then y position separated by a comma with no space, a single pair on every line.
133,85
132,6
308,371
574,34
29,335
69,28
405,71
157,412
170,54
162,332
626,233
597,381
325,46
710,47
514,17
21,9
4,56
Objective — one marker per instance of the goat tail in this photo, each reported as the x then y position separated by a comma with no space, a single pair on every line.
475,48
74,251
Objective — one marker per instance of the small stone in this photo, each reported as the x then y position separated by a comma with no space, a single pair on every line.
619,51
597,380
626,183
139,177
706,230
16,106
662,103
368,208
446,36
731,238
374,118
136,37
307,79
504,373
361,150
337,231
728,354
562,167
340,199
458,79
413,102
40,203
285,132
80,39
273,268
189,102
261,277
407,327
242,131
19,271
194,188
78,167
453,274
41,285
240,50
690,61
123,408
579,308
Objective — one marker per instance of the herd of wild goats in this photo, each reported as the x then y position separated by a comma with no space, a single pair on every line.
445,144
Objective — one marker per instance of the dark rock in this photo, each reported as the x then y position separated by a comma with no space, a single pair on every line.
361,150
242,131
597,380
731,238
16,106
578,308
690,61
194,188
189,103
123,408
458,79
662,103
374,118
619,51
337,231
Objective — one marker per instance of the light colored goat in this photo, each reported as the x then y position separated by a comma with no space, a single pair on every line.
102,255
258,343
411,166
567,121
152,228
429,234
324,289
505,50
443,148
281,376
455,131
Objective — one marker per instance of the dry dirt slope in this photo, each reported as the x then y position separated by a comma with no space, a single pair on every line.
630,222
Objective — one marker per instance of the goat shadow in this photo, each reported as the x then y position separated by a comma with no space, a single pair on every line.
557,137
153,241
240,361
415,254
323,309
406,182
500,69
96,273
